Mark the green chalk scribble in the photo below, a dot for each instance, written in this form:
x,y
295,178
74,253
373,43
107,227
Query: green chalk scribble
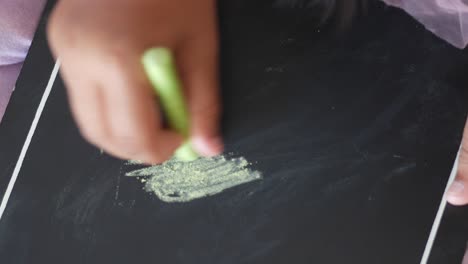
x,y
179,181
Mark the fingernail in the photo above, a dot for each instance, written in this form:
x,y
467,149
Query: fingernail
x,y
456,189
208,146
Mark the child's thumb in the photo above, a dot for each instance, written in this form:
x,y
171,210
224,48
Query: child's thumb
x,y
458,191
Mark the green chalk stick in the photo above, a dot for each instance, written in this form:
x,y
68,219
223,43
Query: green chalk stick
x,y
186,153
160,68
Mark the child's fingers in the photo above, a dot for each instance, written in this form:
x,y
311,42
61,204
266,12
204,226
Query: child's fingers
x,y
198,62
458,191
134,118
123,119
112,100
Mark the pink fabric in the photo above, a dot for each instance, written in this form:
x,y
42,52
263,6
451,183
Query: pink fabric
x,y
8,75
447,19
18,21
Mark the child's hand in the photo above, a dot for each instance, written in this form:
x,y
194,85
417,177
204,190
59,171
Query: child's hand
x,y
458,193
100,43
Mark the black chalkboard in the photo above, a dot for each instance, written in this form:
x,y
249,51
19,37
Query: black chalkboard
x,y
355,134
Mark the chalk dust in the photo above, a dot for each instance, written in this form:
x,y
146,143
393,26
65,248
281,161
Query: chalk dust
x,y
178,181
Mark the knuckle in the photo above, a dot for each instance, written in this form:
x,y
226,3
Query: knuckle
x,y
116,55
119,67
58,22
63,29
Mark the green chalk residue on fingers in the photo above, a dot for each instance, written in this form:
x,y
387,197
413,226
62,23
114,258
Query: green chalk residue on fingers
x,y
160,68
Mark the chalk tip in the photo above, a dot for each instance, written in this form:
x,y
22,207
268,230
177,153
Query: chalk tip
x,y
186,152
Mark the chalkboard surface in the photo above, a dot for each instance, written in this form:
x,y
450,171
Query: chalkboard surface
x,y
355,135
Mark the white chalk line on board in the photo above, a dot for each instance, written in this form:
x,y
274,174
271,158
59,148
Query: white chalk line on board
x,y
35,121
439,215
